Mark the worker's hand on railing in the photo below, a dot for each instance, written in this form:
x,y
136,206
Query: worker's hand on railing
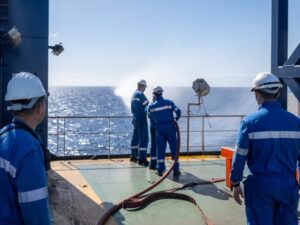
x,y
237,194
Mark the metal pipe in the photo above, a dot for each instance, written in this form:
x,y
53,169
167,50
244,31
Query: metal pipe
x,y
202,136
109,138
57,135
64,133
188,130
188,124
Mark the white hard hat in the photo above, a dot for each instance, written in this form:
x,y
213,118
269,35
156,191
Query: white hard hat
x,y
24,86
266,82
158,89
142,82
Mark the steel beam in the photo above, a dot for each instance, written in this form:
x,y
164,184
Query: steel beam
x,y
279,41
288,72
294,58
294,85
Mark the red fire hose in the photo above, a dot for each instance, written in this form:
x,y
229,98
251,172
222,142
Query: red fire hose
x,y
140,200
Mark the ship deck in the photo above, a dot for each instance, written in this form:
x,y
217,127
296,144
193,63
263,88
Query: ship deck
x,y
81,190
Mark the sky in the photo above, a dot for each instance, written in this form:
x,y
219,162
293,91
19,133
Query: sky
x,y
166,42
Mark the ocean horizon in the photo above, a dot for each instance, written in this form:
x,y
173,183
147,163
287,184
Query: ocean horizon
x,y
104,135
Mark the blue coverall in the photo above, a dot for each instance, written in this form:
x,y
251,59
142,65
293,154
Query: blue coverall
x,y
23,181
269,140
139,142
162,113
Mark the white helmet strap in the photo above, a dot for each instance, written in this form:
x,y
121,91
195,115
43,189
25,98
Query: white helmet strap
x,y
270,90
271,87
19,106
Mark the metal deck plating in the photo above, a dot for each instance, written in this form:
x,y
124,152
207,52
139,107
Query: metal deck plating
x,y
82,190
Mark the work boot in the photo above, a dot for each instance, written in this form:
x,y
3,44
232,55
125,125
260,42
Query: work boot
x,y
152,167
176,173
133,159
144,163
159,173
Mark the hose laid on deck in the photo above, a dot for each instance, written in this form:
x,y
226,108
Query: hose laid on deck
x,y
140,200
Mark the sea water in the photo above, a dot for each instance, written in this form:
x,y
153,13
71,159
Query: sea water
x,y
96,121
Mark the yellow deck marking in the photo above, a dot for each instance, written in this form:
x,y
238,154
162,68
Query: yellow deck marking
x,y
84,199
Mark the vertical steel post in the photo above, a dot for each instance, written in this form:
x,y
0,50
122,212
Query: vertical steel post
x,y
64,136
188,130
279,44
202,136
57,136
109,138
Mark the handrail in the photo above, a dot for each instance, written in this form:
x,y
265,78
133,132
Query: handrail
x,y
126,116
62,132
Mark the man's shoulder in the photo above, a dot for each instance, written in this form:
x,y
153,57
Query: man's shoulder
x,y
137,93
166,101
252,117
18,137
291,116
152,105
6,129
17,144
269,117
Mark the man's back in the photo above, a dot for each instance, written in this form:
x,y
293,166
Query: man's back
x,y
274,140
138,104
162,111
269,141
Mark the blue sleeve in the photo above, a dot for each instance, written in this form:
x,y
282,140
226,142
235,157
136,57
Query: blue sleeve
x,y
176,110
144,100
240,154
32,188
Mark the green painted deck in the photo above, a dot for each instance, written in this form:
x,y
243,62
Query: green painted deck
x,y
115,180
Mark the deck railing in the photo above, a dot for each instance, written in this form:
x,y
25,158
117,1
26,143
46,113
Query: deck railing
x,y
111,135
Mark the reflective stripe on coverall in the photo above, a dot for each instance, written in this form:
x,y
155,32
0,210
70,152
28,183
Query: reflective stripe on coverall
x,y
269,140
140,139
23,189
162,113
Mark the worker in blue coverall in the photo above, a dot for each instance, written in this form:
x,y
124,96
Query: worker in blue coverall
x,y
269,141
153,149
162,112
139,142
23,180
